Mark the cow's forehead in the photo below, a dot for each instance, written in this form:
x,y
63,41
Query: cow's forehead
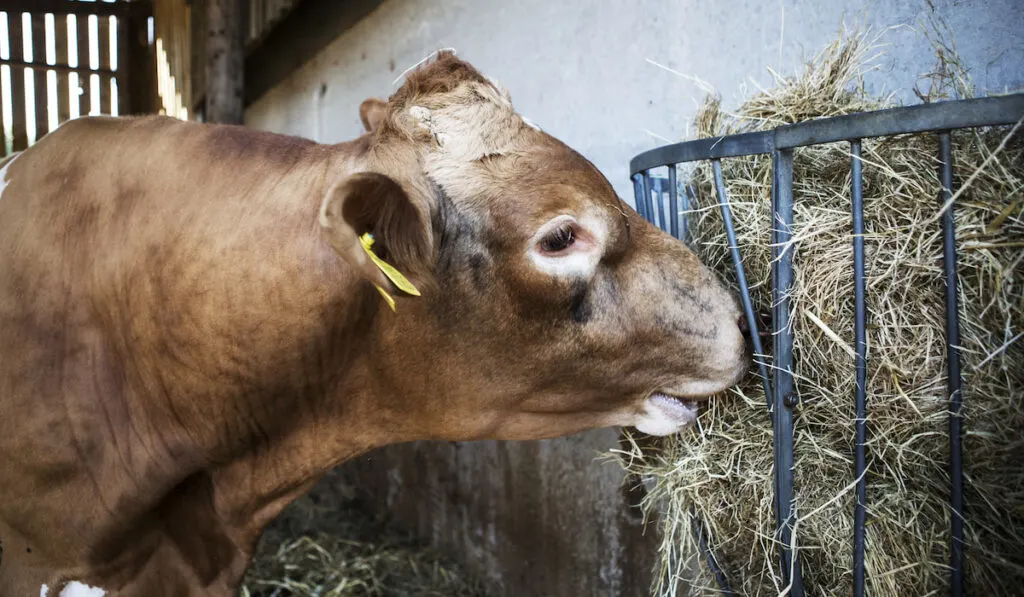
x,y
480,150
467,142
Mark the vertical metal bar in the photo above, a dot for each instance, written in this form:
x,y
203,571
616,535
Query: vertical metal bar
x,y
638,194
784,397
655,192
702,541
648,205
659,192
956,548
689,198
860,322
673,203
741,278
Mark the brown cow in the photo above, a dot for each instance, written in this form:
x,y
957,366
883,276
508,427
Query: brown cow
x,y
190,341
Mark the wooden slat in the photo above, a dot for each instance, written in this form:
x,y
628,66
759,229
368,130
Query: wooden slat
x,y
40,87
3,107
104,43
18,116
83,65
60,30
123,82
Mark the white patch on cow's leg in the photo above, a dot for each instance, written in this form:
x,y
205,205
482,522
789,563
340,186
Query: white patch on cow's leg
x,y
3,179
43,591
77,589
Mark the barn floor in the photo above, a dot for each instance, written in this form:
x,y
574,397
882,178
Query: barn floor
x,y
325,545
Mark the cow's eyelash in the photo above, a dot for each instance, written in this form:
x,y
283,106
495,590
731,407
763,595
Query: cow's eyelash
x,y
559,239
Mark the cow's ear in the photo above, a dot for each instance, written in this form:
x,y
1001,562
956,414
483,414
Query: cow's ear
x,y
372,112
373,203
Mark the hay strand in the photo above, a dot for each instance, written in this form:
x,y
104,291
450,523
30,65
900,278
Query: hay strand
x,y
325,545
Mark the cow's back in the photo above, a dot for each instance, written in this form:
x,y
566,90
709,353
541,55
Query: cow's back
x,y
144,265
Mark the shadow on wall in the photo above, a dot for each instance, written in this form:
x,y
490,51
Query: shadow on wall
x,y
529,518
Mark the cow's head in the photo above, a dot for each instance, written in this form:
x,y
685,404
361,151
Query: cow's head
x,y
548,305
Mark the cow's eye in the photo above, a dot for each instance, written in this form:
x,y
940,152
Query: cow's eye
x,y
559,239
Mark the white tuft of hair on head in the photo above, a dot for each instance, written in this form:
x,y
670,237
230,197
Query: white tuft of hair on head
x,y
417,65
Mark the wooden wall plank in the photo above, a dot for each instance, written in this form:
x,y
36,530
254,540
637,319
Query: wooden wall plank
x,y
104,47
19,117
40,88
60,30
122,74
122,49
84,79
3,111
3,108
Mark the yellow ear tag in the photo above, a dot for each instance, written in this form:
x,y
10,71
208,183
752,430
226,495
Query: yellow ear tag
x,y
393,274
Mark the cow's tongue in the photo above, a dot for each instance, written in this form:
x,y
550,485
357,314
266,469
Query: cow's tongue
x,y
682,412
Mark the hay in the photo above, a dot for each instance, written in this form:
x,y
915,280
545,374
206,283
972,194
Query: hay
x,y
325,545
723,469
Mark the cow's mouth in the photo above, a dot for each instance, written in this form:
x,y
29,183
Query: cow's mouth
x,y
681,410
664,414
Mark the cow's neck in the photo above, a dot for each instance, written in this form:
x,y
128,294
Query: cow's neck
x,y
356,411
330,399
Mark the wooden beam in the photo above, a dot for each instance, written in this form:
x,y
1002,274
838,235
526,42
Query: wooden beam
x,y
117,9
225,59
298,37
137,71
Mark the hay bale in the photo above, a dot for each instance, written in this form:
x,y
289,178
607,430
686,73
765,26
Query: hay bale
x,y
723,470
325,545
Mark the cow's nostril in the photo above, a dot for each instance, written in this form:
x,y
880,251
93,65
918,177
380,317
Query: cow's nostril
x,y
744,326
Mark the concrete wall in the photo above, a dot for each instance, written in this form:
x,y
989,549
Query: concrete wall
x,y
578,68
544,518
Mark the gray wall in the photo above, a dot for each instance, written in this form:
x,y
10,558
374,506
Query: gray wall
x,y
578,67
544,518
